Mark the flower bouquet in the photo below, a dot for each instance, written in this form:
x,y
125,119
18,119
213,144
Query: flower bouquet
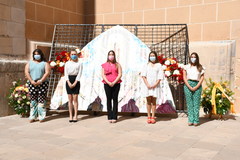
x,y
19,99
217,98
61,58
171,67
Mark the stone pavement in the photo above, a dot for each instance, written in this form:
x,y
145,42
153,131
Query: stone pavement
x,y
93,138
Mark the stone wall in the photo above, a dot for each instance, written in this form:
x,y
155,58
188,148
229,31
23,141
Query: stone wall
x,y
12,48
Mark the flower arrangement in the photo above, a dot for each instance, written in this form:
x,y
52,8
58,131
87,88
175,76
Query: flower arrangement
x,y
19,98
61,58
172,68
223,97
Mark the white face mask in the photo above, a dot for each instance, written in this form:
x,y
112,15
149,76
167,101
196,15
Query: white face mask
x,y
193,60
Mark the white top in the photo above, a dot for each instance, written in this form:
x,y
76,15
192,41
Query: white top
x,y
193,73
152,73
73,69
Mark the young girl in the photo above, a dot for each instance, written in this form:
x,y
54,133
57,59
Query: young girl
x,y
37,72
152,74
111,74
72,73
193,76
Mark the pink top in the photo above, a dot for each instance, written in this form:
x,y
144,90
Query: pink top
x,y
110,71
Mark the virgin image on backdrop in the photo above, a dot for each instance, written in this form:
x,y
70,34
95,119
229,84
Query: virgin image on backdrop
x,y
132,54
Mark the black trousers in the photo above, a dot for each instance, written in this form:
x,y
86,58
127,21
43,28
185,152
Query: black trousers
x,y
112,94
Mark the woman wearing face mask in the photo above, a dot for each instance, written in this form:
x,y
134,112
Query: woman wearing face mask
x,y
37,72
193,76
152,74
111,74
72,73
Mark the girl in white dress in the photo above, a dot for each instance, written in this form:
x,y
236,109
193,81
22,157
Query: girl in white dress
x,y
152,74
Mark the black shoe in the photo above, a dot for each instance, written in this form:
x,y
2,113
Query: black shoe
x,y
74,121
70,121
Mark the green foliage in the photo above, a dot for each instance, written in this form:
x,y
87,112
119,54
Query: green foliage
x,y
18,98
222,103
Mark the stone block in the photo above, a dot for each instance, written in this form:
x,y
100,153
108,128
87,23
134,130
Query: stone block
x,y
5,45
178,15
165,4
19,46
49,32
154,16
18,15
60,17
16,29
44,14
113,18
143,4
18,4
5,12
30,10
35,31
228,11
235,30
98,19
122,6
80,6
70,5
3,28
198,16
195,32
76,18
216,31
133,18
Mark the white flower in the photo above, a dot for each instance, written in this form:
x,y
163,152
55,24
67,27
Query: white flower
x,y
164,67
167,73
14,82
28,103
219,94
61,64
176,72
167,62
18,101
24,97
16,95
180,65
77,50
220,101
53,64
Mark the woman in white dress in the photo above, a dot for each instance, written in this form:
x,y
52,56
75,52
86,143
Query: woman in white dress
x,y
72,73
152,74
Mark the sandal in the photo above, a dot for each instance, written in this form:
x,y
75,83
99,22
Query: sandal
x,y
153,120
149,120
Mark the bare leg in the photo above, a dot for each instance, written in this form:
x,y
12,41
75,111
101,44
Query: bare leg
x,y
70,106
75,101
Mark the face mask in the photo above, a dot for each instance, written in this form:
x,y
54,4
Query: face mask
x,y
152,59
73,57
111,58
193,60
37,56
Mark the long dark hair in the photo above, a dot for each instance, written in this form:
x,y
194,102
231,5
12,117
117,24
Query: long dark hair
x,y
197,63
40,53
155,53
114,60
